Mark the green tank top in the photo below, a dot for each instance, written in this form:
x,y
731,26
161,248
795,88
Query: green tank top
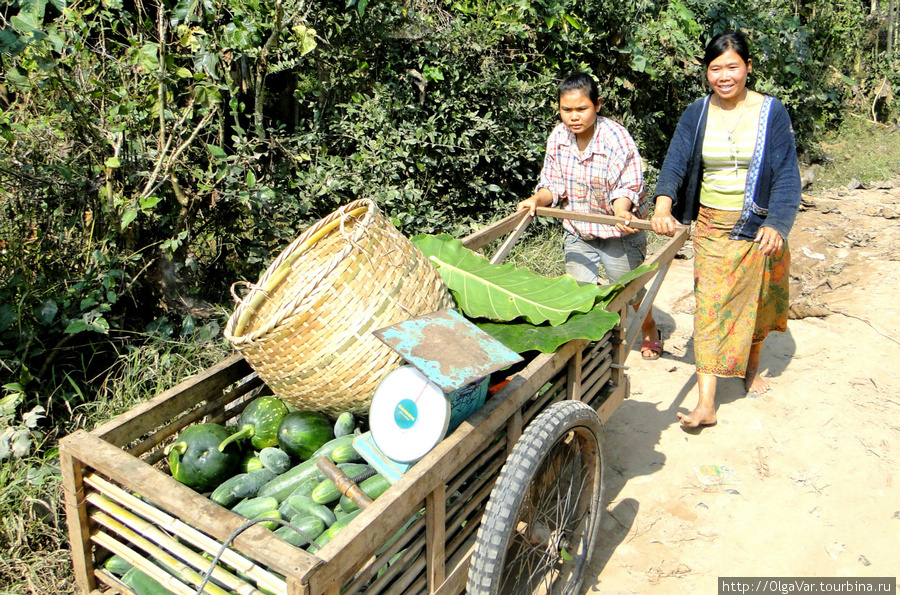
x,y
726,159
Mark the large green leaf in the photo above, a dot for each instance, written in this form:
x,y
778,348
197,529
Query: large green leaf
x,y
606,293
504,292
522,337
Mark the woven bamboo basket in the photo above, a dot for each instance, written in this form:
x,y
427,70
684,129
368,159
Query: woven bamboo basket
x,y
306,326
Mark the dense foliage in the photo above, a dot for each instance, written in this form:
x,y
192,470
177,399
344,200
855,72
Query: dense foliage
x,y
151,154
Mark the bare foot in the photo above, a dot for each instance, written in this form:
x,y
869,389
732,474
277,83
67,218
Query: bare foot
x,y
652,345
755,383
701,416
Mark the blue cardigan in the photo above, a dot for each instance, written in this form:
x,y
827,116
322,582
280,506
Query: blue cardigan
x,y
773,189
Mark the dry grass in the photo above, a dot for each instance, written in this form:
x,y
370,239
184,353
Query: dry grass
x,y
861,150
34,552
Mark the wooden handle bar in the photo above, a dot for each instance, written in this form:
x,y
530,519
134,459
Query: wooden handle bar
x,y
593,218
343,483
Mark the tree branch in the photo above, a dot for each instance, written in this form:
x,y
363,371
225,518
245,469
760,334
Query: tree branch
x,y
262,66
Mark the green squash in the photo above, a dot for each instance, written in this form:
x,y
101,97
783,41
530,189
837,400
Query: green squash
x,y
302,433
196,461
259,422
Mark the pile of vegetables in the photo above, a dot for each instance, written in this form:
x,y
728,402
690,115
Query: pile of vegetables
x,y
266,467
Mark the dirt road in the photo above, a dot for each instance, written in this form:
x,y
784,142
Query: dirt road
x,y
805,483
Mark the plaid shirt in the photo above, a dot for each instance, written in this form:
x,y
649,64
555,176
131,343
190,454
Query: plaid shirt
x,y
608,169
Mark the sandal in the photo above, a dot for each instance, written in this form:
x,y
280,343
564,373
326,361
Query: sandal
x,y
654,347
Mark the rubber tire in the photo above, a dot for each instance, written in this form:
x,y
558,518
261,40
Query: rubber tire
x,y
520,480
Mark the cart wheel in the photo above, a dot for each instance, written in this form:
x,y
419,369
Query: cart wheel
x,y
541,521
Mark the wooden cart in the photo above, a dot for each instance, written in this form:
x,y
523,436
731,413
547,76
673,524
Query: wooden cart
x,y
515,492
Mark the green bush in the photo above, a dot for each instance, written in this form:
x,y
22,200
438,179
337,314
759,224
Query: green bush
x,y
150,161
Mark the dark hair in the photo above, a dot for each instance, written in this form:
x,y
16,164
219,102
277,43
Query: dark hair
x,y
581,81
723,42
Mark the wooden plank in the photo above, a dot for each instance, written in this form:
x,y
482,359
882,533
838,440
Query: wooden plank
x,y
557,213
188,535
161,409
472,515
186,504
214,407
513,430
573,377
411,566
551,395
598,377
600,384
601,357
615,399
296,587
462,534
511,240
77,519
361,538
459,571
619,350
435,526
488,234
413,539
488,458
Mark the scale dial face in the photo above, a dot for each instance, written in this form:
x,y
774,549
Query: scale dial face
x,y
409,415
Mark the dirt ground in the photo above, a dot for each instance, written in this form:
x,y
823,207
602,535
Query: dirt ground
x,y
808,468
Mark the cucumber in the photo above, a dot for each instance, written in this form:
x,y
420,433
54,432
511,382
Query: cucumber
x,y
283,485
275,460
251,482
251,508
269,514
118,565
327,492
373,487
333,530
224,494
310,528
339,450
286,510
305,505
345,453
242,485
344,425
143,584
302,433
306,488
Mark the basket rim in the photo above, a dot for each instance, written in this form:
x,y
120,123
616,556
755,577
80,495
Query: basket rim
x,y
280,267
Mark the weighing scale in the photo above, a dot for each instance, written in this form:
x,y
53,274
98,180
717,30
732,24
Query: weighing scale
x,y
449,363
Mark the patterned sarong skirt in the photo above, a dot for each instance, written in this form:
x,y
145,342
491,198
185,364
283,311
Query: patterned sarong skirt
x,y
741,294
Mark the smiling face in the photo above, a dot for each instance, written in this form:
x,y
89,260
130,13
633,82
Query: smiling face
x,y
578,112
727,75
